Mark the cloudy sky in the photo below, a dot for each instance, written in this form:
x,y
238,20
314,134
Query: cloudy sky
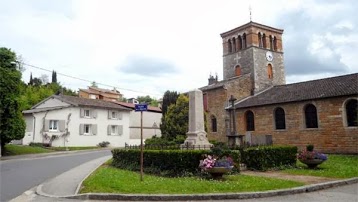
x,y
147,47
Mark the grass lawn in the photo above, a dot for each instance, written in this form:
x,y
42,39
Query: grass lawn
x,y
108,179
337,166
11,149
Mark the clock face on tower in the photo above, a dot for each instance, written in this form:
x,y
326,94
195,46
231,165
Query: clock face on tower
x,y
269,56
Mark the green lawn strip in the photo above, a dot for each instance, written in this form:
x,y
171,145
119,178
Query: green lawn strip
x,y
72,148
11,149
337,166
107,179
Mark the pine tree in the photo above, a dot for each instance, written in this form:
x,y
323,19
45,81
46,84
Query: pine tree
x,y
31,82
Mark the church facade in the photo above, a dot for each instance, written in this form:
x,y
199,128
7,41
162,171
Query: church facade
x,y
254,100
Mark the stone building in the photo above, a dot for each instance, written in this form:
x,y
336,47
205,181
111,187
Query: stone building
x,y
321,112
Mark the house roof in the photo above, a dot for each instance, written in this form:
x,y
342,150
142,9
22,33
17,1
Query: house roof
x,y
104,90
77,101
215,85
316,89
132,106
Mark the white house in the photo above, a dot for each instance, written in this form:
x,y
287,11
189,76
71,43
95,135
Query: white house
x,y
73,121
151,122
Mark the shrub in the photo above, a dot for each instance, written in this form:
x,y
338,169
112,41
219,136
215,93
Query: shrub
x,y
266,157
103,144
309,147
39,144
164,162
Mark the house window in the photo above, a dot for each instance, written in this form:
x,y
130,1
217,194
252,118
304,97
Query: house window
x,y
233,45
280,122
240,43
113,130
230,48
213,124
92,96
114,115
311,116
351,112
264,41
250,121
87,129
260,40
87,113
53,126
244,45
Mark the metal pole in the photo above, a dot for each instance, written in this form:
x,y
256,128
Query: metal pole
x,y
141,146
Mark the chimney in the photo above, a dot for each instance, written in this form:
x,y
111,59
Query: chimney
x,y
212,80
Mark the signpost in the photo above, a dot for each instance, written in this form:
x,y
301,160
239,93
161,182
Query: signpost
x,y
140,108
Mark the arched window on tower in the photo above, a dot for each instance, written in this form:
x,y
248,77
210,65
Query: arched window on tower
x,y
229,46
234,44
260,39
237,70
271,42
244,45
269,71
280,122
351,112
240,43
311,116
214,127
250,120
264,41
274,43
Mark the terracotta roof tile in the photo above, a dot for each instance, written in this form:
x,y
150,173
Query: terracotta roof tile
x,y
309,90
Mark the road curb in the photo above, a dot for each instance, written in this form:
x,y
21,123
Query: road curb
x,y
219,196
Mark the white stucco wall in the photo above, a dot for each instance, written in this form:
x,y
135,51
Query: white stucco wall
x,y
75,139
52,102
149,118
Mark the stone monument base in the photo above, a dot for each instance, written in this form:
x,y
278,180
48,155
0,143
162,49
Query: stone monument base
x,y
197,141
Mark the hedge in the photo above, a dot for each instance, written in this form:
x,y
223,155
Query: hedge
x,y
266,157
164,162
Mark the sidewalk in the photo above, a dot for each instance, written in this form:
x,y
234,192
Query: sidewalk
x,y
40,155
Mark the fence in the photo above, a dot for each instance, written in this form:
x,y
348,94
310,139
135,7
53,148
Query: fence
x,y
169,147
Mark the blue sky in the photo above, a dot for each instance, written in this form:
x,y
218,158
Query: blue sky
x,y
154,46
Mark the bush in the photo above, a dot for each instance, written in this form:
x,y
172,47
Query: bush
x,y
164,162
310,147
266,157
39,144
103,144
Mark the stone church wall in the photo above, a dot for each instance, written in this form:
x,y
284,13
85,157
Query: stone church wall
x,y
331,136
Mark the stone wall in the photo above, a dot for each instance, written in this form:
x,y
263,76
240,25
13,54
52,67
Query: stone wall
x,y
331,136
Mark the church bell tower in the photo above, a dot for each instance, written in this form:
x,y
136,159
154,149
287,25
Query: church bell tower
x,y
254,49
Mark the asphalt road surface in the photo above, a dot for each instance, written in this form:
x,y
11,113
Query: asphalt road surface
x,y
20,175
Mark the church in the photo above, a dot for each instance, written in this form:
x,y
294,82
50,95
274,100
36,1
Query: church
x,y
253,101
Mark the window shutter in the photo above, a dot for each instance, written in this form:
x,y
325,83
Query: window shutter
x,y
109,114
62,125
81,129
47,123
120,129
109,130
119,115
94,129
81,113
94,113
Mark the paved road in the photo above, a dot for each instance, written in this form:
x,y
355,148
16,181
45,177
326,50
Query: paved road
x,y
20,175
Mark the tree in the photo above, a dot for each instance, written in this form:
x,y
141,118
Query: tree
x,y
31,82
147,99
12,125
170,97
44,78
54,77
94,84
175,121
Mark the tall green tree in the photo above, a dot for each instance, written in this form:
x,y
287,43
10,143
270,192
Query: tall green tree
x,y
170,97
12,124
31,82
54,77
175,121
147,99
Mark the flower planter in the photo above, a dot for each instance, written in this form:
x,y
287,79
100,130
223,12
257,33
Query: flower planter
x,y
218,172
312,163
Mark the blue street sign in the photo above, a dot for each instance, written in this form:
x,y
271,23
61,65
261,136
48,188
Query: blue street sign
x,y
141,107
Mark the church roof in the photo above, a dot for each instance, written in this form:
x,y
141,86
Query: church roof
x,y
310,90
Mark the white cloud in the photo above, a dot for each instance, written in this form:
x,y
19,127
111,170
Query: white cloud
x,y
91,39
